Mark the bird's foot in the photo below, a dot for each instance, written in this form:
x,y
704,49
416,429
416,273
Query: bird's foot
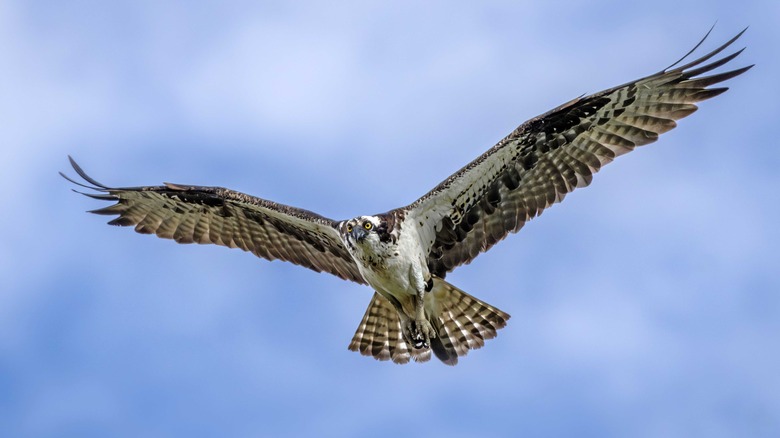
x,y
419,333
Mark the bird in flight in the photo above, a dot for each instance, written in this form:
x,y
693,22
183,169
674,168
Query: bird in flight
x,y
405,254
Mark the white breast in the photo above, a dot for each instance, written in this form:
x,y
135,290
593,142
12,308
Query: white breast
x,y
396,269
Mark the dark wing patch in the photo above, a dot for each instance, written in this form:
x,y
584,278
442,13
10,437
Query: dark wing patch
x,y
551,155
192,214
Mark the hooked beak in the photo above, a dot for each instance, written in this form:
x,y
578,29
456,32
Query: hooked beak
x,y
358,233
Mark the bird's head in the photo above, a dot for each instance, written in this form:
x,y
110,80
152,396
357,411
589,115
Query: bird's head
x,y
365,229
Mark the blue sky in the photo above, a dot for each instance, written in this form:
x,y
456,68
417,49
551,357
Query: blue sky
x,y
645,305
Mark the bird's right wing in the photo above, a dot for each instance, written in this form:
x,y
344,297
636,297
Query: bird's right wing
x,y
192,214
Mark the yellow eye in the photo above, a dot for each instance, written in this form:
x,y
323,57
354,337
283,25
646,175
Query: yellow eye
x,y
368,225
349,228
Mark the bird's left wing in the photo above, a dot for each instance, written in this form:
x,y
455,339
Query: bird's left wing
x,y
192,214
551,155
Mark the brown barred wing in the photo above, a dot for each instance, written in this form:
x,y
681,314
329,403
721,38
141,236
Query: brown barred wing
x,y
193,214
551,155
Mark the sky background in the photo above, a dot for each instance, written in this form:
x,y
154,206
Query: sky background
x,y
646,305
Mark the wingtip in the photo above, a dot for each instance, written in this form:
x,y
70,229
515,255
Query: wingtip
x,y
706,56
78,183
95,184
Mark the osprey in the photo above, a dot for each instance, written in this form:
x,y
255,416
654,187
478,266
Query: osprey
x,y
405,254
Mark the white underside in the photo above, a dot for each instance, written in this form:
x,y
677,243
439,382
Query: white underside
x,y
395,270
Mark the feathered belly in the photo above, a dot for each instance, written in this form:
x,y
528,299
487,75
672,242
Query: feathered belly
x,y
394,281
394,270
390,278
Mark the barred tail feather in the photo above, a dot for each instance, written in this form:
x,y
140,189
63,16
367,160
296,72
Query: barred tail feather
x,y
379,335
461,321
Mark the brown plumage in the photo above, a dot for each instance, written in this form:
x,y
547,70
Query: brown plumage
x,y
549,156
193,214
414,247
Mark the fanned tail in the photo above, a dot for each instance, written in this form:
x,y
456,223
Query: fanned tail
x,y
379,335
462,323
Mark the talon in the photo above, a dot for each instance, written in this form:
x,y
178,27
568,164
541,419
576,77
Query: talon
x,y
409,333
418,333
420,339
423,332
425,329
